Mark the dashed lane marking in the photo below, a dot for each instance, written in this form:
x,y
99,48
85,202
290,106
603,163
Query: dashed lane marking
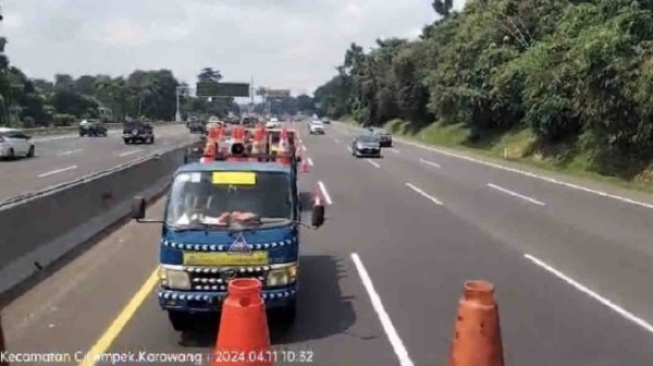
x,y
418,190
325,193
515,194
53,172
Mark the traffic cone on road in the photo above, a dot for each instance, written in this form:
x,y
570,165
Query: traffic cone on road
x,y
243,337
477,337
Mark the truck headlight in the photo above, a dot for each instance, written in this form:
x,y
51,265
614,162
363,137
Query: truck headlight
x,y
282,276
174,279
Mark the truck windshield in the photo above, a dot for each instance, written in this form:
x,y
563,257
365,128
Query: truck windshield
x,y
229,200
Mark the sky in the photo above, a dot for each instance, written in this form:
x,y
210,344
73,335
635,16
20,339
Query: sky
x,y
282,44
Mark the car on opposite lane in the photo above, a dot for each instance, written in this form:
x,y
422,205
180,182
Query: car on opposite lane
x,y
134,132
366,145
385,138
92,128
15,143
316,128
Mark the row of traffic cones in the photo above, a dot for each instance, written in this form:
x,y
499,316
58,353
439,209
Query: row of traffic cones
x,y
244,329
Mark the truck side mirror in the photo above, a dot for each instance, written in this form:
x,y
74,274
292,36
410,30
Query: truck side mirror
x,y
138,208
317,218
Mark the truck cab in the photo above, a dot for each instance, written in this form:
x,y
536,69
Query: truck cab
x,y
225,220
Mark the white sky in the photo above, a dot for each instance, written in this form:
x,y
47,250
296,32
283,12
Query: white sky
x,y
285,44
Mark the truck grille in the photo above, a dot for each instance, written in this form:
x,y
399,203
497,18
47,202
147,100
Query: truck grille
x,y
212,279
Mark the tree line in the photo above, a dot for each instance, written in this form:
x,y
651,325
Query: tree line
x,y
574,72
143,94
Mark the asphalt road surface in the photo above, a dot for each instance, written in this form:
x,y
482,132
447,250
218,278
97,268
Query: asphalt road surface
x,y
381,279
63,158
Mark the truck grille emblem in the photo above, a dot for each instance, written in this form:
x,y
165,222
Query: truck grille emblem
x,y
239,246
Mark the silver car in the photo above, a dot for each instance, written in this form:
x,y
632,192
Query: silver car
x,y
366,145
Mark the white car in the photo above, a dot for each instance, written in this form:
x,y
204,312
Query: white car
x,y
272,124
14,143
316,128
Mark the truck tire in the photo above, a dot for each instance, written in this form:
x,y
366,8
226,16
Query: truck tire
x,y
288,315
180,321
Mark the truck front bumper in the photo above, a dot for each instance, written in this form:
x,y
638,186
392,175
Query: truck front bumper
x,y
211,302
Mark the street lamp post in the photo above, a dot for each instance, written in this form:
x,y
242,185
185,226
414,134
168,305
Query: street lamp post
x,y
179,91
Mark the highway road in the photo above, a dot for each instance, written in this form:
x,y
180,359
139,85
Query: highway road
x,y
381,279
62,158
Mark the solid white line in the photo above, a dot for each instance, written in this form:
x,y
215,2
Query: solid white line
x,y
386,322
374,163
515,194
436,165
618,309
304,148
130,152
325,193
52,172
310,161
71,152
532,175
414,188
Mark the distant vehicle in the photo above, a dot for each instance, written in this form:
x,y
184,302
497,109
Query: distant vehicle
x,y
197,127
135,132
15,143
273,123
316,128
326,120
92,128
366,145
385,137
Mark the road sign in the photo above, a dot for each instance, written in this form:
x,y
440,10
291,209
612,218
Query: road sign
x,y
213,89
273,93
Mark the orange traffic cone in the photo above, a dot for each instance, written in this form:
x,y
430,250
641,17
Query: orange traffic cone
x,y
477,338
243,337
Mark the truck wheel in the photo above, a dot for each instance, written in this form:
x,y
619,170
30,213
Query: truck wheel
x,y
180,321
288,315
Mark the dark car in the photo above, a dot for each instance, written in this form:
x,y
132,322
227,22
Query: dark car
x,y
92,128
385,137
197,127
366,145
136,132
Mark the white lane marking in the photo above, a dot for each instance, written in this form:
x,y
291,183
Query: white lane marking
x,y
374,163
337,141
52,172
532,175
386,322
349,148
127,153
325,193
433,199
70,152
304,148
310,161
395,151
618,309
436,165
515,194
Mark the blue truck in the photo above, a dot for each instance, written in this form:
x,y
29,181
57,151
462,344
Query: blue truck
x,y
225,220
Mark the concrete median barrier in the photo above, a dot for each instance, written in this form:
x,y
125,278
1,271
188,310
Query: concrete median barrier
x,y
39,228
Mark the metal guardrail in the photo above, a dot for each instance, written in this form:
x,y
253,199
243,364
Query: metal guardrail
x,y
75,128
